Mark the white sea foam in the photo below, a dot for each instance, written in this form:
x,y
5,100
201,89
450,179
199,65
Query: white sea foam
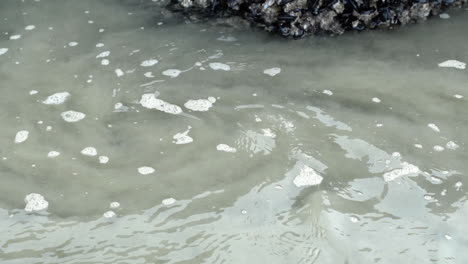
x,y
21,136
433,127
35,202
226,148
3,51
103,54
200,105
145,170
182,138
56,98
171,73
72,116
307,177
272,71
151,102
405,170
168,201
103,159
89,151
53,154
217,66
453,64
149,63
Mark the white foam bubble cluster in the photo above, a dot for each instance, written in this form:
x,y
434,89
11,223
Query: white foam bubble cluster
x,y
15,37
438,148
103,159
105,62
327,92
150,101
35,202
433,127
444,16
21,136
114,205
73,44
453,64
172,73
103,54
307,177
119,72
30,27
109,214
89,151
149,63
405,170
53,154
217,66
452,145
145,170
72,116
182,138
376,100
272,72
168,201
200,105
56,98
3,51
226,148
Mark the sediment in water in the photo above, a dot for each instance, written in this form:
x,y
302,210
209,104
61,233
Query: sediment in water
x,y
297,18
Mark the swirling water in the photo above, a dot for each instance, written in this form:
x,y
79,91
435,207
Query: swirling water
x,y
156,140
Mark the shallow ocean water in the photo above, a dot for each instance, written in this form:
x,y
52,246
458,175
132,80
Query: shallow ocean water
x,y
156,140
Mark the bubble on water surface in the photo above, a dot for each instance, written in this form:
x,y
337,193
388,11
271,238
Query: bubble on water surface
x,y
433,127
226,148
3,51
200,105
56,98
217,66
151,102
35,202
149,63
272,72
33,92
15,37
145,170
30,27
72,116
458,96
114,205
53,154
105,62
419,146
168,201
72,44
99,45
307,177
21,136
376,100
406,169
453,64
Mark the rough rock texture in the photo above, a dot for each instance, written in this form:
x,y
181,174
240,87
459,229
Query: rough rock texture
x,y
296,18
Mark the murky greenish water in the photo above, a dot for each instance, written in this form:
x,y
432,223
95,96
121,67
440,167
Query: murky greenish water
x,y
347,149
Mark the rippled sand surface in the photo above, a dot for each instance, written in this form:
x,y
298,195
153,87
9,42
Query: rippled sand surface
x,y
131,136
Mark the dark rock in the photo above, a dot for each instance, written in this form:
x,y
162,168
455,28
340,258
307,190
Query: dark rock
x,y
298,18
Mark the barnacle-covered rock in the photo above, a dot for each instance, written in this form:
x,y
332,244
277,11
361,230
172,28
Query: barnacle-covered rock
x,y
298,18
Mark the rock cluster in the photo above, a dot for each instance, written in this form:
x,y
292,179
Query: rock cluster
x,y
296,18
